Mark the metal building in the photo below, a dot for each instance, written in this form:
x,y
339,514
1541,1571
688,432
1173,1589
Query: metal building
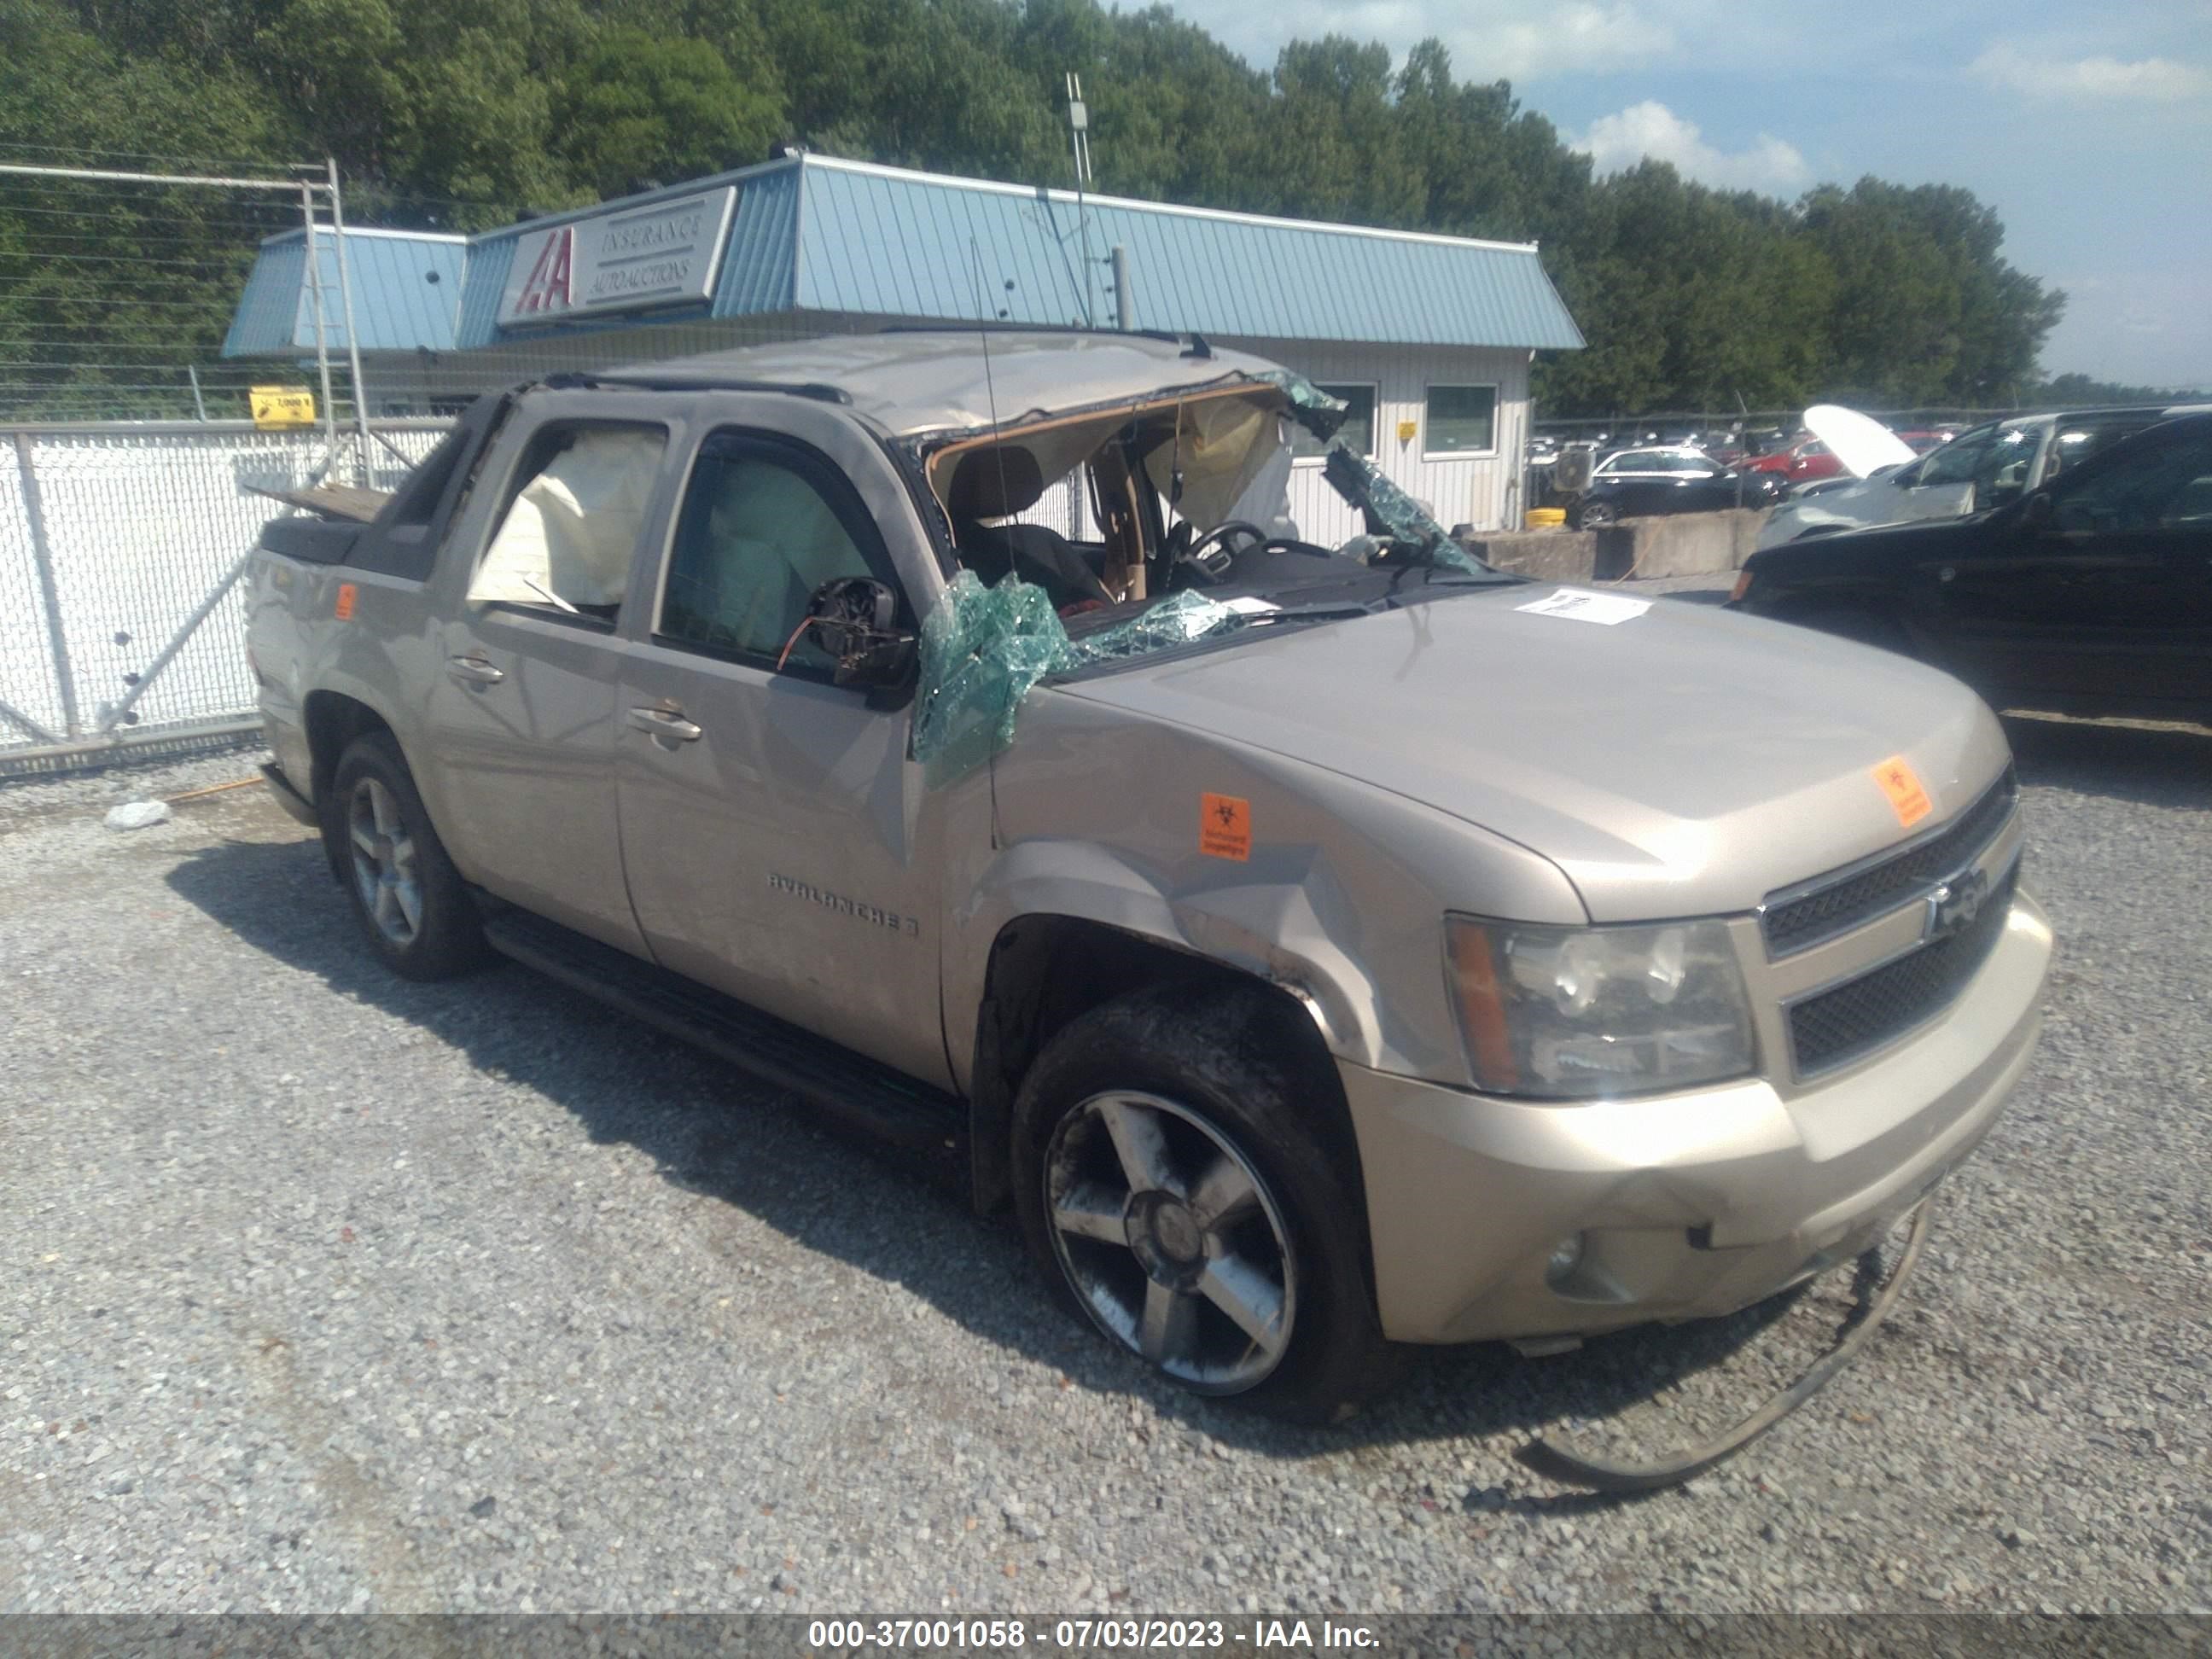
x,y
1428,338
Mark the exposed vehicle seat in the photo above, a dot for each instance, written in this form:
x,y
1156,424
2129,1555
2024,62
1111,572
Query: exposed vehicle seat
x,y
995,485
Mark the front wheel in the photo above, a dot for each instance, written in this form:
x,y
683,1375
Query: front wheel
x,y
1183,1179
1595,515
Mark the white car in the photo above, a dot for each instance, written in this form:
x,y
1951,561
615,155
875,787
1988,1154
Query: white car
x,y
1983,467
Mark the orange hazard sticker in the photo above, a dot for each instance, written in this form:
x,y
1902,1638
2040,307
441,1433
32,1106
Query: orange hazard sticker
x,y
1225,827
1899,782
347,594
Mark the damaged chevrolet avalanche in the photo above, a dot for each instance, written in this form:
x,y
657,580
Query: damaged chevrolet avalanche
x,y
1320,949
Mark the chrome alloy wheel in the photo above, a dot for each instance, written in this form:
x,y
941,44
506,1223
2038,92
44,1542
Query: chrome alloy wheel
x,y
383,862
1171,1240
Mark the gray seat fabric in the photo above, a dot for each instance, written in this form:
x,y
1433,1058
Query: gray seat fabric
x,y
997,483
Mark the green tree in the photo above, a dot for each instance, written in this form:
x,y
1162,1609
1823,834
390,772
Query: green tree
x,y
642,108
464,112
107,292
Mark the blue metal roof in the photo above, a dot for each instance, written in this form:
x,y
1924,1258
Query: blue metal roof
x,y
813,234
406,287
878,241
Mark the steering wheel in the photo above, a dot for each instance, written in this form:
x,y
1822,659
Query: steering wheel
x,y
1213,566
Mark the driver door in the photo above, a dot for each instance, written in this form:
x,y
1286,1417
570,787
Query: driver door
x,y
773,828
2110,598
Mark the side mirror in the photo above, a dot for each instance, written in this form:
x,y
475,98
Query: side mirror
x,y
855,620
2040,513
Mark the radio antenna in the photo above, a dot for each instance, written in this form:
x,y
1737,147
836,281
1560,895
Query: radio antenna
x,y
990,387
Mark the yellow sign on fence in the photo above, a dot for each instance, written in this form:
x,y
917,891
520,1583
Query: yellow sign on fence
x,y
278,406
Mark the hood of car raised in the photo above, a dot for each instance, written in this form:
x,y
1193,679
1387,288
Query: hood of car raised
x,y
1859,441
1680,761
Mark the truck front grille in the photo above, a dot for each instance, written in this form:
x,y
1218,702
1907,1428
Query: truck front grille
x,y
1804,917
1837,1026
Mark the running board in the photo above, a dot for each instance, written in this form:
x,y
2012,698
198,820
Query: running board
x,y
852,1093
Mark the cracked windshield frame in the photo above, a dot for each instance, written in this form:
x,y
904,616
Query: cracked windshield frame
x,y
1188,502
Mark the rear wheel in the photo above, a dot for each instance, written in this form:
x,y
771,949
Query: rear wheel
x,y
411,902
1592,514
1179,1179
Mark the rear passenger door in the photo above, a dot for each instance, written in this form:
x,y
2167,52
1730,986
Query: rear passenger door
x,y
521,670
775,838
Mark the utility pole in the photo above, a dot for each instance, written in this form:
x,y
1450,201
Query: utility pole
x,y
1079,136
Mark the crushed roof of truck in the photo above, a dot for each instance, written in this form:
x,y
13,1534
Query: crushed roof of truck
x,y
964,379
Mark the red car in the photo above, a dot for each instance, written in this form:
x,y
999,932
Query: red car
x,y
1805,459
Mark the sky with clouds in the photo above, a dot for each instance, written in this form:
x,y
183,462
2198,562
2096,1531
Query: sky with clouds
x,y
2089,127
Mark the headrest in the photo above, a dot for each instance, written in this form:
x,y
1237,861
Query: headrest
x,y
995,484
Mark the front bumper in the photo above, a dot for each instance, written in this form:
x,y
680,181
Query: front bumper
x,y
1688,1206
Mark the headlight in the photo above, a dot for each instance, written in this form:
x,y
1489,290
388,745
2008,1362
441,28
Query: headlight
x,y
1594,1013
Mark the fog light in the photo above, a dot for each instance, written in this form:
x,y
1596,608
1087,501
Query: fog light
x,y
1566,1256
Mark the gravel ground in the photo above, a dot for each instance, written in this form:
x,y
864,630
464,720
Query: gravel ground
x,y
319,1291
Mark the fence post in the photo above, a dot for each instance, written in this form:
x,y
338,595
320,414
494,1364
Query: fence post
x,y
42,554
353,334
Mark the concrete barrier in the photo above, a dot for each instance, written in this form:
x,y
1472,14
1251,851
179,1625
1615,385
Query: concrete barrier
x,y
1680,544
1558,555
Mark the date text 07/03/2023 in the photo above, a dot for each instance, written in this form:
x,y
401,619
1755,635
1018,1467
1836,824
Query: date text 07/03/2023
x,y
1088,1633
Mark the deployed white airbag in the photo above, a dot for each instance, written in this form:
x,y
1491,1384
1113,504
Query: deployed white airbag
x,y
572,530
1221,446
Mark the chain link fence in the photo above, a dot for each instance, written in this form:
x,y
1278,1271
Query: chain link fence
x,y
122,619
1630,428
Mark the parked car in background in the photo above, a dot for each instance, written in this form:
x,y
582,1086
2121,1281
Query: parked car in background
x,y
1798,462
1633,483
1985,467
1921,442
2092,594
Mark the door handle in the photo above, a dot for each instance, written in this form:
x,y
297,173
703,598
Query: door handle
x,y
668,724
473,671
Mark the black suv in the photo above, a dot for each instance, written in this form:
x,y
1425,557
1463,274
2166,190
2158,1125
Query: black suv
x,y
2092,595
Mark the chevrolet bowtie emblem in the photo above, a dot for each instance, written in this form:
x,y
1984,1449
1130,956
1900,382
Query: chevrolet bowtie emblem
x,y
1952,907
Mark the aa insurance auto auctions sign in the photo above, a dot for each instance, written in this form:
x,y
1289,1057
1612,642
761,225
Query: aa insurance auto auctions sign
x,y
664,254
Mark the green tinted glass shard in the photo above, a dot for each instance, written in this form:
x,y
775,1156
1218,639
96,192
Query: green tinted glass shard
x,y
982,648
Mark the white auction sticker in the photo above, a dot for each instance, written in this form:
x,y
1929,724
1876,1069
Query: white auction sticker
x,y
1605,609
1250,607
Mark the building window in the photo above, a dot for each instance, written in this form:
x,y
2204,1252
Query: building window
x,y
1463,420
1357,430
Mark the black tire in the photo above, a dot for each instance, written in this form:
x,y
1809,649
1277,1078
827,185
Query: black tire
x,y
1595,516
443,935
1235,1067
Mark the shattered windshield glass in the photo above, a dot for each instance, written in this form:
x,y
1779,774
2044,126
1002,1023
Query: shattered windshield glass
x,y
982,648
1193,544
